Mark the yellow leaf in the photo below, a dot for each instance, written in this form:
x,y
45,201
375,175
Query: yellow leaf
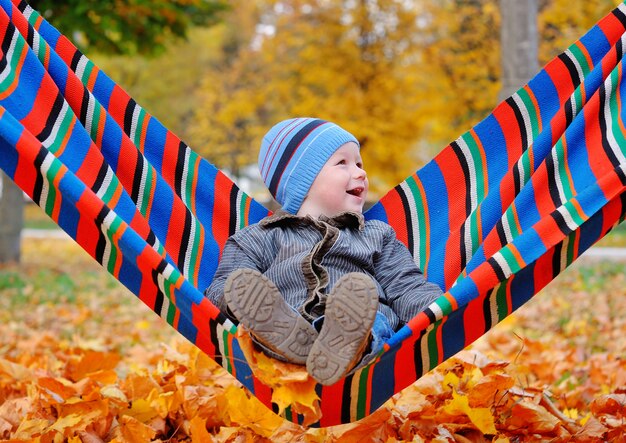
x,y
134,431
247,412
480,417
197,429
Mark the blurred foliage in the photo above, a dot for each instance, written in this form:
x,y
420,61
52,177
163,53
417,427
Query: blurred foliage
x,y
405,76
127,27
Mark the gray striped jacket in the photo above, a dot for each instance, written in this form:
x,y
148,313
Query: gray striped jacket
x,y
305,257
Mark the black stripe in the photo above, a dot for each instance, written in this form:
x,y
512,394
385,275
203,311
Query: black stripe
x,y
52,118
151,239
520,122
30,36
556,259
232,216
496,268
128,116
603,129
102,173
569,114
517,181
159,296
137,177
620,16
180,168
501,233
213,337
619,49
552,185
289,150
346,399
431,315
6,44
184,244
22,5
38,188
407,218
571,67
560,221
75,59
420,368
466,172
101,245
489,320
84,107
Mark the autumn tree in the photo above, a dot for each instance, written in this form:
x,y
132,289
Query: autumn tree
x,y
109,26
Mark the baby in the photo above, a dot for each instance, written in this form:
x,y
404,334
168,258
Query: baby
x,y
315,283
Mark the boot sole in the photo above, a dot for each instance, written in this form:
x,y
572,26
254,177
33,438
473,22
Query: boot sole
x,y
258,305
350,313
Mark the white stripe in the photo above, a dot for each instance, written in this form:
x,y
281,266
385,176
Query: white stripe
x,y
106,226
416,226
237,210
49,141
28,11
133,126
610,135
183,184
472,171
190,243
45,167
104,187
80,67
436,310
91,102
499,258
557,172
9,55
525,117
569,221
579,69
424,347
142,184
36,42
507,228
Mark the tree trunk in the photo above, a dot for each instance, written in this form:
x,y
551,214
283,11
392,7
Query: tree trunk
x,y
518,44
11,220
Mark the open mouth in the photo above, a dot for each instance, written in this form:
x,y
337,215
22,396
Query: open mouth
x,y
356,191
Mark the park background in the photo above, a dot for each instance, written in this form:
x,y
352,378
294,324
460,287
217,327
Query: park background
x,y
82,360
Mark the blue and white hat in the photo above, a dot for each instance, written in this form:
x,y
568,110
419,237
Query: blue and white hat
x,y
293,152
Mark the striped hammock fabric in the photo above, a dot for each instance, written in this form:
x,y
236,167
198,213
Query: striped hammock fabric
x,y
492,219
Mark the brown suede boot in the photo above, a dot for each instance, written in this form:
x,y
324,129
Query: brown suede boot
x,y
348,319
258,305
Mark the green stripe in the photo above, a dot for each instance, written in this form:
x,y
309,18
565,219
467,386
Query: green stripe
x,y
14,61
510,259
95,120
563,174
580,57
530,110
87,71
226,359
33,17
362,394
64,128
115,225
52,191
421,219
189,182
501,301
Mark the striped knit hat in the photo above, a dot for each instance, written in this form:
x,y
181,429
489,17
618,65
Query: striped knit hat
x,y
293,152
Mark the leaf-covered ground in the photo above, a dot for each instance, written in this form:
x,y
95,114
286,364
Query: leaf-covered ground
x,y
82,360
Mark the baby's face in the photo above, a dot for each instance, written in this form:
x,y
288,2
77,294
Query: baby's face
x,y
340,186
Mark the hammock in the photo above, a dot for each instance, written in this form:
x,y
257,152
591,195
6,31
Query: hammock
x,y
492,219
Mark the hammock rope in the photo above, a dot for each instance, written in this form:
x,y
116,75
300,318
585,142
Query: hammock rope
x,y
492,219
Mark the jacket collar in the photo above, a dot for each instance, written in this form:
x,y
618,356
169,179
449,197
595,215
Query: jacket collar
x,y
347,219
